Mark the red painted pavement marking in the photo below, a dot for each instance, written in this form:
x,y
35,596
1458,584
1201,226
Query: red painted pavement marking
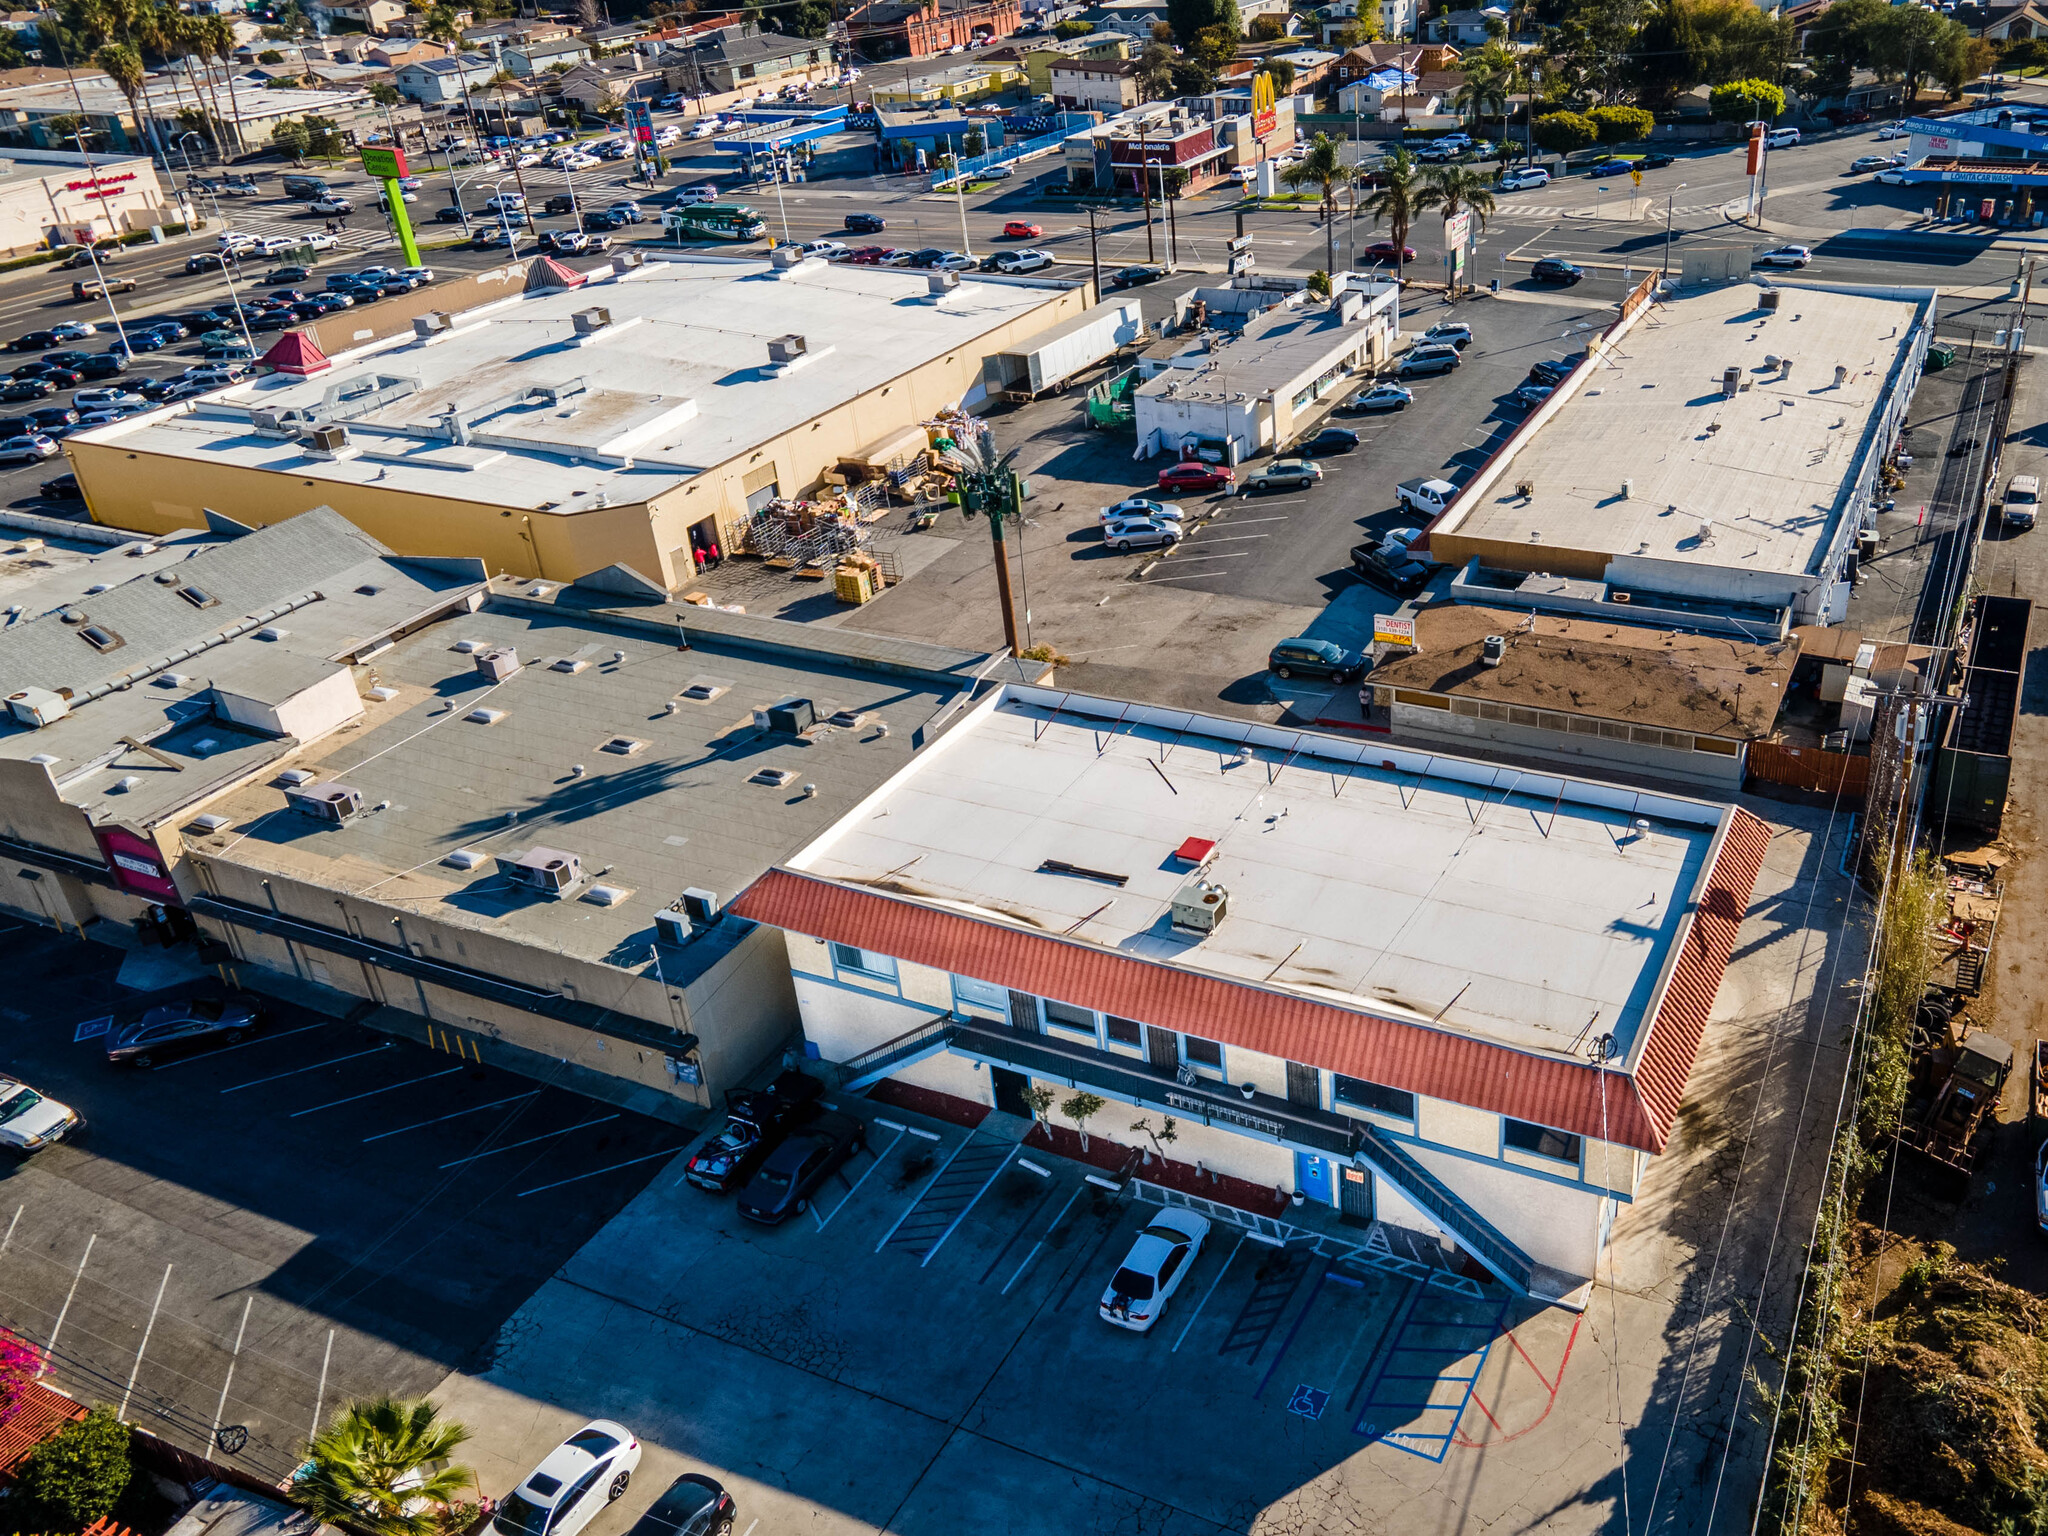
x,y
1459,1437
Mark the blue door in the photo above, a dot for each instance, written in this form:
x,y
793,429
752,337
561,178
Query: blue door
x,y
1312,1177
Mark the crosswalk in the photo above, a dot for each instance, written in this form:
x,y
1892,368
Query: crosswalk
x,y
1616,210
368,232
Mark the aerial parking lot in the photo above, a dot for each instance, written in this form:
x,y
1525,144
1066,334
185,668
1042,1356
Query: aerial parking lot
x,y
250,1232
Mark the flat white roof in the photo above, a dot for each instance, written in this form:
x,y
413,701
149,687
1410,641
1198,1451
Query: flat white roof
x,y
679,381
1770,468
1419,887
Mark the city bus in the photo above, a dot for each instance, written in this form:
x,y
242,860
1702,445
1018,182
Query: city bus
x,y
714,221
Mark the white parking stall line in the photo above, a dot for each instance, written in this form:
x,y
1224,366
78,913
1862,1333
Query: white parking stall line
x,y
277,1077
220,1409
1229,538
961,1215
1043,1237
260,1039
148,1329
320,1397
50,1349
854,1188
966,1142
1238,521
420,1125
387,1088
513,1146
1205,1297
577,1178
1190,576
4,1241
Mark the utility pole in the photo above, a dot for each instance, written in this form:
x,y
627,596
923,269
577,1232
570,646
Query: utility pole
x,y
1670,204
2016,337
1172,225
1095,251
1145,191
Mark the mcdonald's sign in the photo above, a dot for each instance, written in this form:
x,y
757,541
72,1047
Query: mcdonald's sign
x,y
1264,118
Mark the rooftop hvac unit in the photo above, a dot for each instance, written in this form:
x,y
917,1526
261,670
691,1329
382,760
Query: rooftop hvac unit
x,y
589,322
785,256
549,871
1770,298
1199,906
791,715
38,707
702,906
939,284
331,802
1731,381
428,326
672,925
1492,649
497,663
327,439
787,349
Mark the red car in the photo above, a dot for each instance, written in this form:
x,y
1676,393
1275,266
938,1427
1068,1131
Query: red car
x,y
867,255
1194,475
1020,229
1383,250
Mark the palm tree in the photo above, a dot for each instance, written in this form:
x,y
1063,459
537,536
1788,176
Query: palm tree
x,y
1456,189
1398,199
1323,168
123,65
217,37
382,1467
1485,91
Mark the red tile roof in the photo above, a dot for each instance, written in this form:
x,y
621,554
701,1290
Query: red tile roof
x,y
296,352
1632,1111
40,1415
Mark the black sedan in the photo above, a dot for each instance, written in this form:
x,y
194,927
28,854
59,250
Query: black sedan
x,y
35,341
1554,370
1654,162
274,320
1390,567
53,421
102,367
1329,440
783,1185
175,1028
755,1125
1136,277
63,488
865,224
448,215
27,389
598,221
70,357
694,1505
1555,269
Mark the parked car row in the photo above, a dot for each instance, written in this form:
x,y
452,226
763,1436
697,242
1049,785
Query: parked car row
x,y
776,1147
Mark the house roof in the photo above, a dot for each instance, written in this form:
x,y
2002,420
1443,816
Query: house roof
x,y
733,46
1393,921
41,1414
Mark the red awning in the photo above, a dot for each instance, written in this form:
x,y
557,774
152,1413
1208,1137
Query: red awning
x,y
546,272
1630,1110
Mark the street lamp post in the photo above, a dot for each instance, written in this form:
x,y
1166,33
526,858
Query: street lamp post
x,y
504,222
1670,203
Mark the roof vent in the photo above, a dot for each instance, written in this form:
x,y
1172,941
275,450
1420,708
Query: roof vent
x,y
606,895
786,349
623,746
483,716
271,632
497,662
569,664
463,858
1199,906
332,802
171,680
549,871
470,647
703,690
291,778
589,322
774,778
211,822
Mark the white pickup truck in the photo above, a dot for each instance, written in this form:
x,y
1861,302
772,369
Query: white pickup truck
x,y
1427,496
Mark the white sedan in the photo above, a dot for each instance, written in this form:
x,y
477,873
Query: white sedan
x,y
112,399
1784,256
1895,177
1153,1270
574,1481
1894,131
30,1121
71,330
1141,533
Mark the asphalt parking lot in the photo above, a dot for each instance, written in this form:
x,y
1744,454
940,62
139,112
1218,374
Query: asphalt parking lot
x,y
921,1352
254,1235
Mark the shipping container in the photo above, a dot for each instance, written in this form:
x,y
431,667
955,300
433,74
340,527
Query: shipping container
x,y
1053,357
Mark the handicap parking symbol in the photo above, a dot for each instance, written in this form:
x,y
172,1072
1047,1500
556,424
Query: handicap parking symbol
x,y
1308,1401
91,1029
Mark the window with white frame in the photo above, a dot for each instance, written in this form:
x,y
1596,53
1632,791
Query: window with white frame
x,y
1065,1019
981,999
847,960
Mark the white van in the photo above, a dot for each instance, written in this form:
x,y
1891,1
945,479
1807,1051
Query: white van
x,y
1778,138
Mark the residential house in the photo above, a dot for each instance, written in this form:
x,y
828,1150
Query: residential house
x,y
1466,29
744,58
1081,85
1397,20
2010,23
395,55
414,24
1368,60
529,59
610,39
508,33
438,81
920,28
1039,56
600,84
373,16
1312,67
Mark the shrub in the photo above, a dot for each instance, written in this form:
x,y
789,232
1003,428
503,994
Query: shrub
x,y
1563,132
1621,125
1072,28
78,1475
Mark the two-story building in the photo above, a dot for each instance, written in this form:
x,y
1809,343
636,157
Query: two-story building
x,y
527,60
1328,966
439,81
917,29
1083,85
